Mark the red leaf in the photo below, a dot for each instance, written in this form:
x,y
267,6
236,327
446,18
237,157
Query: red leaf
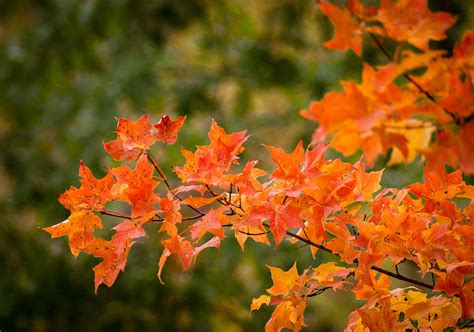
x,y
167,129
286,216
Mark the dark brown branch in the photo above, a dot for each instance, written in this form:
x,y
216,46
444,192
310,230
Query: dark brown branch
x,y
230,194
160,172
375,268
469,323
253,234
318,291
117,214
401,277
191,218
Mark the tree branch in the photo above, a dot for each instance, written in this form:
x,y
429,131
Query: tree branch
x,y
318,291
412,80
375,268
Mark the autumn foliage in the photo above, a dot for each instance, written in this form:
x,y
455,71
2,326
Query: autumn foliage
x,y
329,205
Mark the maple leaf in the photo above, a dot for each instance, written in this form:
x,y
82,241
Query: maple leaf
x,y
466,148
342,243
285,216
464,53
210,162
78,227
460,99
337,108
198,202
257,302
170,208
209,223
114,254
288,164
378,319
176,245
313,225
287,315
441,185
366,13
283,281
416,137
313,160
247,180
412,21
445,151
92,195
136,186
467,299
133,138
167,129
347,32
133,227
226,146
367,183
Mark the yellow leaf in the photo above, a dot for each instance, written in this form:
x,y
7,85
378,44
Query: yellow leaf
x,y
283,282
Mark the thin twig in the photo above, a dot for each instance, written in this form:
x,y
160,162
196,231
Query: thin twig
x,y
421,126
253,234
163,177
160,172
318,291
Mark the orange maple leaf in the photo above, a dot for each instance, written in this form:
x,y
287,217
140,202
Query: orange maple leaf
x,y
209,223
136,186
412,21
133,138
347,32
441,185
288,164
170,208
114,254
210,162
92,195
466,150
460,99
467,300
180,246
78,227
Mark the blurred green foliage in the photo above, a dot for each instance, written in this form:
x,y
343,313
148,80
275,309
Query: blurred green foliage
x,y
67,68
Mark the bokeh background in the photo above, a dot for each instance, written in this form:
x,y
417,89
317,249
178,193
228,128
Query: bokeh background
x,y
68,68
